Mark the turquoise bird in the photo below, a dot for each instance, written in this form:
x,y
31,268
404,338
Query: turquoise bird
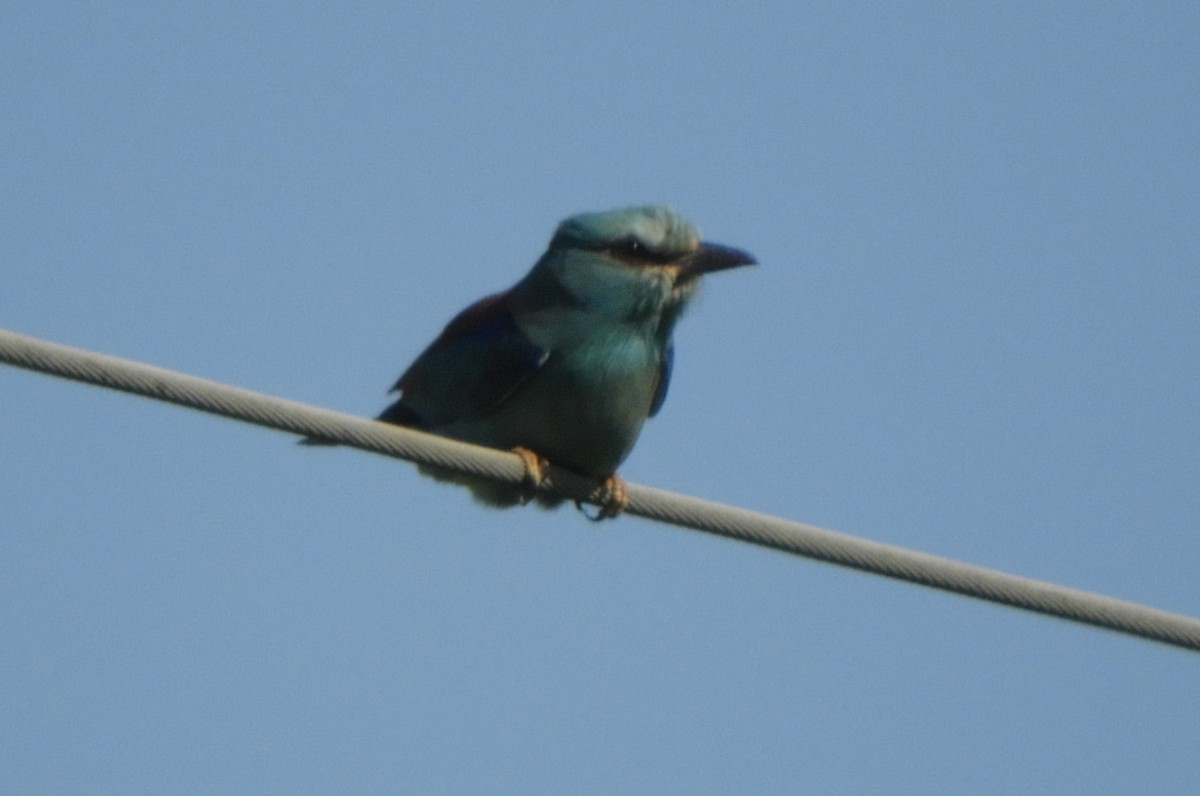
x,y
567,364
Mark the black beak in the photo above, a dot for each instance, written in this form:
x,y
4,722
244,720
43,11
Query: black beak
x,y
713,257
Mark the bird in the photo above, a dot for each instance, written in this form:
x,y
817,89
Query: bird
x,y
565,366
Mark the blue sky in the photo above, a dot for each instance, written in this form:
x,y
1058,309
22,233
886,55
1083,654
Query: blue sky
x,y
974,332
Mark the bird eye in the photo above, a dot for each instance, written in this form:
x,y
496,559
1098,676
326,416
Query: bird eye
x,y
636,252
631,248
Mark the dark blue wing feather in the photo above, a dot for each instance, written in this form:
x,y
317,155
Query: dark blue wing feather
x,y
477,361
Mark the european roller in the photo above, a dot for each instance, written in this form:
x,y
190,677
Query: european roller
x,y
566,365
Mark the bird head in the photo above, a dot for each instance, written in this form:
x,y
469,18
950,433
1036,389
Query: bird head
x,y
634,261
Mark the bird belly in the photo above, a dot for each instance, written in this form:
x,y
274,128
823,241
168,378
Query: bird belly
x,y
582,412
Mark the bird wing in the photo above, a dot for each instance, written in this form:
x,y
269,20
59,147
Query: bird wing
x,y
664,378
478,360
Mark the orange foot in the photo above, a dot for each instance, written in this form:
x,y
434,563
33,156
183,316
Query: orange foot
x,y
614,498
535,467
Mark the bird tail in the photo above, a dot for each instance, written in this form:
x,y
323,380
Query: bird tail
x,y
317,442
398,414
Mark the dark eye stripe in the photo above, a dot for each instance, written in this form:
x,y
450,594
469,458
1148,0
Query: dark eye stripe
x,y
633,250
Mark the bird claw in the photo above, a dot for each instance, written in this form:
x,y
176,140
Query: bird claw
x,y
535,467
613,499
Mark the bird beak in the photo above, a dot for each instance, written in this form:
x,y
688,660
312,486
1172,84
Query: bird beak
x,y
712,257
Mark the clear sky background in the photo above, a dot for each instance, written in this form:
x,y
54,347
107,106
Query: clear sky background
x,y
975,331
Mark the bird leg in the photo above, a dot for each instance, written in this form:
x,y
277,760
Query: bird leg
x,y
613,498
613,495
535,468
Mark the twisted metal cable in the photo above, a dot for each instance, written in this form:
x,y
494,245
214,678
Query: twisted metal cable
x,y
702,515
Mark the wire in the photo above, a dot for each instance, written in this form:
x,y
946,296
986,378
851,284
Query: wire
x,y
702,515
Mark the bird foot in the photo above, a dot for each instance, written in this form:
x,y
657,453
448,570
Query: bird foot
x,y
535,467
613,499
